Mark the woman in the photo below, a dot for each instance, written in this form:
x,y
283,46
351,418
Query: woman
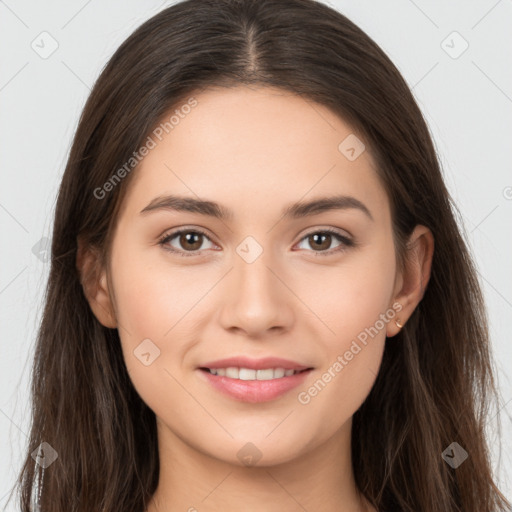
x,y
259,297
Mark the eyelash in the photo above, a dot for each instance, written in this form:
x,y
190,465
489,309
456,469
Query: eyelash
x,y
346,242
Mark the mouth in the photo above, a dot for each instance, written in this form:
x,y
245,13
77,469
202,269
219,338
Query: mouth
x,y
253,381
249,374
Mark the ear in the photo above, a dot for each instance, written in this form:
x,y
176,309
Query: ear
x,y
93,278
410,285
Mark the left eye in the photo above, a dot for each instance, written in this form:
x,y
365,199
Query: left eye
x,y
322,240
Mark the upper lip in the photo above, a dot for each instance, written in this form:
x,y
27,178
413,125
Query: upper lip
x,y
255,364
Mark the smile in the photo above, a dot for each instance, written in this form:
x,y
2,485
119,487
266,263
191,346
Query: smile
x,y
251,374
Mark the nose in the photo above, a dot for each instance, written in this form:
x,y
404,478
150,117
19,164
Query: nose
x,y
256,299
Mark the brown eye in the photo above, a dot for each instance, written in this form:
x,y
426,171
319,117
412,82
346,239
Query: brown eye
x,y
191,240
320,241
185,241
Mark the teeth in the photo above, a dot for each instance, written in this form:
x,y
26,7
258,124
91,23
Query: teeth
x,y
249,374
232,373
246,374
266,374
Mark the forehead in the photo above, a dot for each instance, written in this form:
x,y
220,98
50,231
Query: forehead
x,y
251,148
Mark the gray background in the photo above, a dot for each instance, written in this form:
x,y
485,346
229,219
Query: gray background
x,y
466,97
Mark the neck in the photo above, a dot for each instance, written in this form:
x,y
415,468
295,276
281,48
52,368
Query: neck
x,y
192,481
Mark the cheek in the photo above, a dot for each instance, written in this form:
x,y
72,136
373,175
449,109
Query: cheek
x,y
154,307
152,297
151,309
354,306
350,298
338,391
159,308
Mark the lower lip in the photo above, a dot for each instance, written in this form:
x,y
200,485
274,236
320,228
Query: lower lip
x,y
255,391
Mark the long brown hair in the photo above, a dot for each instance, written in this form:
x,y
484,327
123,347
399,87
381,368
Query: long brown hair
x,y
435,384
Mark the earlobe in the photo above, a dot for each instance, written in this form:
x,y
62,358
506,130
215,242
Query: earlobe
x,y
93,278
415,278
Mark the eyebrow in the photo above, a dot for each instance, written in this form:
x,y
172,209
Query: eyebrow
x,y
294,211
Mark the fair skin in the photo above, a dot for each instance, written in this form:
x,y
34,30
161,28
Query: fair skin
x,y
255,151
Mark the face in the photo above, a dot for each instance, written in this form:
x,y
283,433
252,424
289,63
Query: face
x,y
262,291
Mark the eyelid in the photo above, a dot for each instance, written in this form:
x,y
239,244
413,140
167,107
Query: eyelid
x,y
328,229
171,232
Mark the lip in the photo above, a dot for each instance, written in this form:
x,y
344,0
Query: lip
x,y
254,391
255,364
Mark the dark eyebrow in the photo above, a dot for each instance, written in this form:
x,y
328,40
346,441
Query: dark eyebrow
x,y
324,204
294,211
188,204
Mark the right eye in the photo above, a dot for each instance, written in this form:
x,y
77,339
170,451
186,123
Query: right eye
x,y
190,240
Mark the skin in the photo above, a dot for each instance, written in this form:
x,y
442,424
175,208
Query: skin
x,y
255,151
